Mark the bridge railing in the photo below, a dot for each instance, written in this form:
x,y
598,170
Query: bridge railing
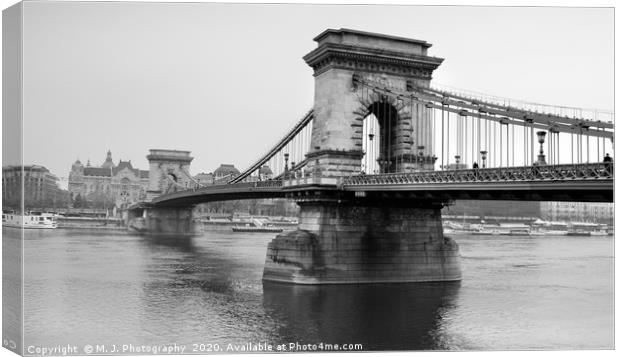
x,y
227,187
593,171
258,184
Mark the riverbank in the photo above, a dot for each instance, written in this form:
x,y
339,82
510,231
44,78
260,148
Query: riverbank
x,y
216,226
117,224
112,224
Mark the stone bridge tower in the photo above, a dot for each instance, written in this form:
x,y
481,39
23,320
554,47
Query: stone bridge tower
x,y
368,238
340,106
168,171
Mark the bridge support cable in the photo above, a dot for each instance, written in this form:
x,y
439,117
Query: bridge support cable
x,y
513,145
480,134
525,109
388,119
550,148
507,150
558,161
487,143
598,146
496,142
465,136
442,137
478,140
516,116
578,149
554,152
558,153
532,142
577,158
448,144
459,139
471,153
277,150
588,148
413,134
561,111
572,152
196,183
501,135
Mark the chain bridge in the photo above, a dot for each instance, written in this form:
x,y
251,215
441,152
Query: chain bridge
x,y
379,155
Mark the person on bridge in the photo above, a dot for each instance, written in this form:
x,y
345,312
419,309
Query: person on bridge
x,y
536,169
475,167
607,160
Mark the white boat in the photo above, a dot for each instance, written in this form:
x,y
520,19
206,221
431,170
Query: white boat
x,y
598,233
519,232
30,220
257,226
490,232
545,232
549,228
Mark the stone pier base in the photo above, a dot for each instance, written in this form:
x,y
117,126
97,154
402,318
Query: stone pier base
x,y
168,221
355,242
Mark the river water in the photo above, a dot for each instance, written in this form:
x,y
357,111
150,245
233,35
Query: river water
x,y
114,289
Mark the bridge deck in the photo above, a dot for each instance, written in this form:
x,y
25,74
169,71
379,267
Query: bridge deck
x,y
224,192
580,182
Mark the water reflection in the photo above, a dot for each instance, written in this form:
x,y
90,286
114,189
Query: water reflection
x,y
180,243
82,287
382,316
11,288
205,281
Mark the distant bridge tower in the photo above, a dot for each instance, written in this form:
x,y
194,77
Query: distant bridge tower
x,y
341,106
168,171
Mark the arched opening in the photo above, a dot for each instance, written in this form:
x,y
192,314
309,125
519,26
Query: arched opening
x,y
172,176
379,138
125,182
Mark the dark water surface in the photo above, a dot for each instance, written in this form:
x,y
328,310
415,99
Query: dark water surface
x,y
84,287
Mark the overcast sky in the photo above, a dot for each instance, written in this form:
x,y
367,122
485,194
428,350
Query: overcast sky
x,y
225,81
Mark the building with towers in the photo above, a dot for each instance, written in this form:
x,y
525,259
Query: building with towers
x,y
107,185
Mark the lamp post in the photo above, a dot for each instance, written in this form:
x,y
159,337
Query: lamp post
x,y
370,151
285,164
483,154
421,156
457,158
384,163
541,154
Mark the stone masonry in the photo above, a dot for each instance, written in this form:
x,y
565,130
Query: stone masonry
x,y
357,242
340,106
348,239
168,169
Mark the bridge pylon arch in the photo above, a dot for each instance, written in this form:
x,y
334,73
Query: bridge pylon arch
x,y
341,61
168,169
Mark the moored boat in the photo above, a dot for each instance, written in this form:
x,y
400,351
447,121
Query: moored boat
x,y
257,225
578,233
519,232
253,229
29,220
598,233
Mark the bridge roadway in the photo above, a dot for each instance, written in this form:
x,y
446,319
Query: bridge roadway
x,y
578,182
